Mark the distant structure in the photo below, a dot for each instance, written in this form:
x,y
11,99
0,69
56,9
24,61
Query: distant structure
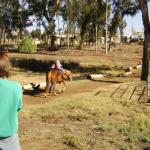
x,y
37,41
136,36
61,39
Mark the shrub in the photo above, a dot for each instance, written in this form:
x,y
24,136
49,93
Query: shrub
x,y
27,46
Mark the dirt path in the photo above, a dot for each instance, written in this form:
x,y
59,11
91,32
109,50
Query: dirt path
x,y
71,88
74,87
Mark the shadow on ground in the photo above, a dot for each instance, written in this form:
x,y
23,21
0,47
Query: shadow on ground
x,y
43,66
33,92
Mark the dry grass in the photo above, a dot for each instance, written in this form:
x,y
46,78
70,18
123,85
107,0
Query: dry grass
x,y
86,117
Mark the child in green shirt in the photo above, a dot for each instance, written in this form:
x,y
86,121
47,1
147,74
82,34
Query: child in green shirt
x,y
10,105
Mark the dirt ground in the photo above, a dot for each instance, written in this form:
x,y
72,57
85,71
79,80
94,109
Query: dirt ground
x,y
69,121
49,132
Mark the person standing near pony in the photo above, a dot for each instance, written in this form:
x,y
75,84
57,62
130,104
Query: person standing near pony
x,y
10,105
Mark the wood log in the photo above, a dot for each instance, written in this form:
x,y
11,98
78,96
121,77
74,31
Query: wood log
x,y
138,66
26,87
126,74
95,76
130,68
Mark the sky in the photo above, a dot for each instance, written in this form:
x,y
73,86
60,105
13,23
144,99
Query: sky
x,y
134,23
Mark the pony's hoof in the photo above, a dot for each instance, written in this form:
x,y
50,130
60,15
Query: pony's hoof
x,y
45,96
55,94
63,90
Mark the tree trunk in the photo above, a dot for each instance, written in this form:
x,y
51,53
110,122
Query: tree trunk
x,y
1,35
81,37
81,42
121,35
40,36
110,43
20,35
146,50
146,56
52,47
4,37
96,38
106,26
46,38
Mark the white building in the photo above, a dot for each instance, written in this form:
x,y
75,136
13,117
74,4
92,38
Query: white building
x,y
137,36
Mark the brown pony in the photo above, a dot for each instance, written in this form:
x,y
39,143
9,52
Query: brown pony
x,y
54,77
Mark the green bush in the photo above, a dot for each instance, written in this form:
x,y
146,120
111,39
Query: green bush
x,y
27,46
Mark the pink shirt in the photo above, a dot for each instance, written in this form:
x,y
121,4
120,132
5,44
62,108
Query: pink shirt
x,y
58,66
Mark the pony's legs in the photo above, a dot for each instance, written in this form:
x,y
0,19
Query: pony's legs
x,y
51,88
54,89
47,88
63,86
60,88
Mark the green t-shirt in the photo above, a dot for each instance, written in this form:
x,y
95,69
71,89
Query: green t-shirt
x,y
10,104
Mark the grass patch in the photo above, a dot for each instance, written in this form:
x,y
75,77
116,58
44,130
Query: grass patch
x,y
138,129
127,103
145,137
66,127
103,127
109,139
75,141
126,147
47,117
78,117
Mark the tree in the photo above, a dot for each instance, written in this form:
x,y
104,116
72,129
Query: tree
x,y
13,16
143,4
6,8
117,22
113,26
83,17
45,11
36,33
131,7
122,25
20,20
